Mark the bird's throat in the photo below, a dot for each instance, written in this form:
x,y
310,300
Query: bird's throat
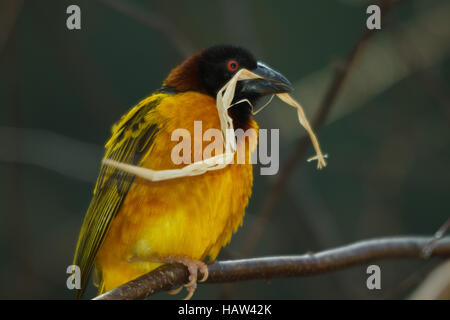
x,y
241,114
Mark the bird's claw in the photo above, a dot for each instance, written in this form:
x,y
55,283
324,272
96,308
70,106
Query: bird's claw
x,y
193,266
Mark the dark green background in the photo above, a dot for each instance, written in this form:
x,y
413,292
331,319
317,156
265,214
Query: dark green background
x,y
388,167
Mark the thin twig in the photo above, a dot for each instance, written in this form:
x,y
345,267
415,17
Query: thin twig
x,y
277,189
167,277
72,59
154,21
428,249
9,13
410,280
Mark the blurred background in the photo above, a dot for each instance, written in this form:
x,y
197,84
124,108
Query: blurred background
x,y
387,135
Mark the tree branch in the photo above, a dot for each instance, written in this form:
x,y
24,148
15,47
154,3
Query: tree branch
x,y
167,277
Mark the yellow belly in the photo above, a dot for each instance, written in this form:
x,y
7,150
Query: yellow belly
x,y
192,216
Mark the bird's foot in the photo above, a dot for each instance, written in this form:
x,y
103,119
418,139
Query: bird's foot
x,y
194,266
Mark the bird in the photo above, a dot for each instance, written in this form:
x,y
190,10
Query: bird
x,y
132,225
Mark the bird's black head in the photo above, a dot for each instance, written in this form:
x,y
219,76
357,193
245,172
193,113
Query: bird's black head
x,y
218,64
210,69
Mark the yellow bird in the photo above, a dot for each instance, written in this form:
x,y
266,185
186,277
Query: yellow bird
x,y
132,225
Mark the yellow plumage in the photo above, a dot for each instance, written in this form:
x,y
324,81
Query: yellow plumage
x,y
192,216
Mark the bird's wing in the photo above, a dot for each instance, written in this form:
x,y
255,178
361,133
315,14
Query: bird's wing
x,y
131,140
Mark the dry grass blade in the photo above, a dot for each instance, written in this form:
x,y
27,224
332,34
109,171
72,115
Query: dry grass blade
x,y
304,122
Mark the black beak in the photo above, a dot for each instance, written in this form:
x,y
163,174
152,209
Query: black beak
x,y
272,82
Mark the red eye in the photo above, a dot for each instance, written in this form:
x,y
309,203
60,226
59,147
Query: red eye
x,y
232,65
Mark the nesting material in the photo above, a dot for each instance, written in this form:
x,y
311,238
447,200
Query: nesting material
x,y
223,102
285,97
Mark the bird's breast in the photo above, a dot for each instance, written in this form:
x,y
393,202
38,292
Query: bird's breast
x,y
191,216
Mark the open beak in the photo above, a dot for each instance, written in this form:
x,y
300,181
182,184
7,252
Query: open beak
x,y
272,82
